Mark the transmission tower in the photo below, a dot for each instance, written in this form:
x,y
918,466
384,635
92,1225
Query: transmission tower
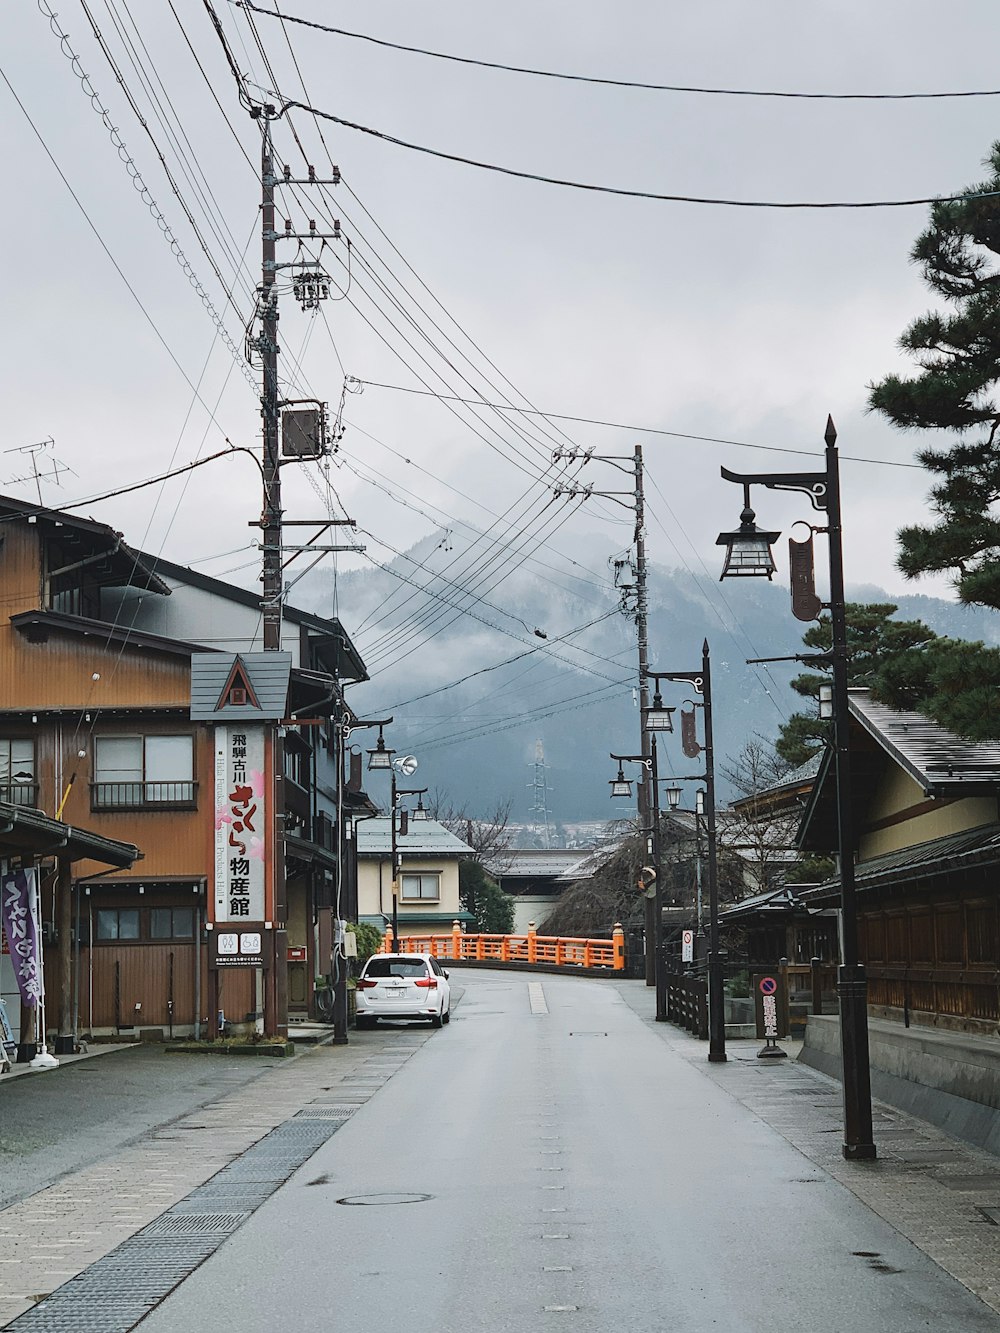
x,y
539,787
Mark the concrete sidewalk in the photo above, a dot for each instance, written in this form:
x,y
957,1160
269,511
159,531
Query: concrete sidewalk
x,y
940,1193
58,1231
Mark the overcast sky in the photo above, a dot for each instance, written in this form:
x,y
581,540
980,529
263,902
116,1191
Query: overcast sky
x,y
744,324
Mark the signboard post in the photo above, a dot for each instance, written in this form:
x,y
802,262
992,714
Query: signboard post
x,y
771,1007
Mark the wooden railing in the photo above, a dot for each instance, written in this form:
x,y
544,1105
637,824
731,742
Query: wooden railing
x,y
687,1003
531,949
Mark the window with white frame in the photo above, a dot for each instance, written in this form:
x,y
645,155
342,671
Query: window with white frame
x,y
17,771
143,770
421,888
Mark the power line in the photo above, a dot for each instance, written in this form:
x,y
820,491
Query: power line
x,y
593,187
639,430
117,267
508,661
136,177
615,83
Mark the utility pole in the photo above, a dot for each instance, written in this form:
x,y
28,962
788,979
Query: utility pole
x,y
301,437
654,926
275,1006
637,503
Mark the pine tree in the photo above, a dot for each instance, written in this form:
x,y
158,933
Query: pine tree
x,y
874,640
957,350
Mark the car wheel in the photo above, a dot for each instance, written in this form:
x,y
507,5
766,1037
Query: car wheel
x,y
363,1024
437,1021
446,1016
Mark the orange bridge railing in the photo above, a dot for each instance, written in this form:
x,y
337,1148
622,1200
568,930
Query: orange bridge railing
x,y
551,950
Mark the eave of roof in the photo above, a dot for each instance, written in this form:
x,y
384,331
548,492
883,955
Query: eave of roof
x,y
925,860
28,622
26,831
134,569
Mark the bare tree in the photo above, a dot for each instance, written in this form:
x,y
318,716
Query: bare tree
x,y
761,824
488,835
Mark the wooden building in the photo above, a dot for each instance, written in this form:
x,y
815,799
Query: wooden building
x,y
96,647
925,810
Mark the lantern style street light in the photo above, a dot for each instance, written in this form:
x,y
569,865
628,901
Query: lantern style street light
x,y
621,786
744,557
701,682
380,758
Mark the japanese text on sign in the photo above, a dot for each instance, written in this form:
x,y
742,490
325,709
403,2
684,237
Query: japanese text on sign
x,y
239,824
770,1015
18,906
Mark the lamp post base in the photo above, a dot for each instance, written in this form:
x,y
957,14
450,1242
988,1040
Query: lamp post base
x,y
852,989
717,1007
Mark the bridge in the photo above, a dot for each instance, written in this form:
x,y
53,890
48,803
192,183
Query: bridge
x,y
525,950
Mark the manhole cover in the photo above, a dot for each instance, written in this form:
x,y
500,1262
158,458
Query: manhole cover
x,y
375,1200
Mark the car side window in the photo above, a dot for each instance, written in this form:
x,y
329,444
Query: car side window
x,y
436,968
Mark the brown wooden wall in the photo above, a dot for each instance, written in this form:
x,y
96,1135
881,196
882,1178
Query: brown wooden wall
x,y
140,974
174,842
59,673
937,956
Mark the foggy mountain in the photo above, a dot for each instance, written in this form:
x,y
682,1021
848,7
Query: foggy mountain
x,y
567,696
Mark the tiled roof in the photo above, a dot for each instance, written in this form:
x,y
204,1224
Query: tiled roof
x,y
780,899
542,863
935,757
939,856
426,838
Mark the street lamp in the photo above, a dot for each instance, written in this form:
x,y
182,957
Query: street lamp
x,y
621,786
823,490
347,723
380,757
701,683
407,764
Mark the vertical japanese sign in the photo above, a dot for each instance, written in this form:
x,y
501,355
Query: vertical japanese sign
x,y
18,907
240,824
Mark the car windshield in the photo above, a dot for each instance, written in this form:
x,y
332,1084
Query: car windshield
x,y
396,967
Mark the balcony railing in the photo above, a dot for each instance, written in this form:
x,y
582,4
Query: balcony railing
x,y
142,795
19,793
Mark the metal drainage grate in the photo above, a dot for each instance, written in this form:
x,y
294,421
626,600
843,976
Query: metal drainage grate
x,y
195,1224
326,1112
117,1292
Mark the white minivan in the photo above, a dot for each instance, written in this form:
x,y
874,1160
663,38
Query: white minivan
x,y
402,985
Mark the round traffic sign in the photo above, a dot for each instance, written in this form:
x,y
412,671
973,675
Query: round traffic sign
x,y
768,985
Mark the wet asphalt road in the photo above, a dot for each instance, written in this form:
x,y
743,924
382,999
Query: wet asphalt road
x,y
60,1121
578,1175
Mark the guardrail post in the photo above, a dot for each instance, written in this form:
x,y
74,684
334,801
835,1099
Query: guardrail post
x,y
618,947
505,949
456,939
479,947
560,953
532,946
387,941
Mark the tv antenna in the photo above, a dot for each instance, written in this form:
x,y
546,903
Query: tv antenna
x,y
33,451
